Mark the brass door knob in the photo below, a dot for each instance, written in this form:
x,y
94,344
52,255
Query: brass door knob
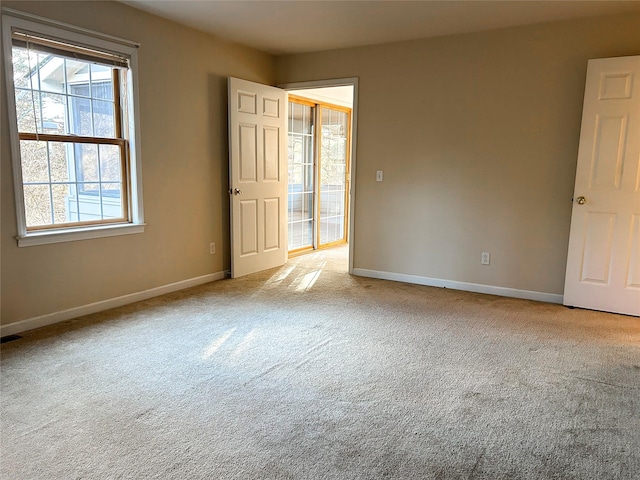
x,y
581,200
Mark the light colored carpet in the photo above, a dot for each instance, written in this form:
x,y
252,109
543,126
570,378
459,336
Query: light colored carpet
x,y
305,372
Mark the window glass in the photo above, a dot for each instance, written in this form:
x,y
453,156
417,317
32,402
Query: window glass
x,y
66,181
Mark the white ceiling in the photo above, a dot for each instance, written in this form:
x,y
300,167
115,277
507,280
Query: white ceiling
x,y
282,27
342,96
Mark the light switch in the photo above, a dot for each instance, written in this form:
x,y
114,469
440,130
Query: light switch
x,y
379,176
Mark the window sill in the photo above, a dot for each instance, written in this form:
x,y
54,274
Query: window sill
x,y
74,234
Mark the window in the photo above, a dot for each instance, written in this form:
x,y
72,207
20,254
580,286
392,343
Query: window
x,y
76,159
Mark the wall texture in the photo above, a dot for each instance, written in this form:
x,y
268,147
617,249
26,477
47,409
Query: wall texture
x,y
477,135
183,116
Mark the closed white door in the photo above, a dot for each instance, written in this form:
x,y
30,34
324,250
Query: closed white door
x,y
603,264
257,176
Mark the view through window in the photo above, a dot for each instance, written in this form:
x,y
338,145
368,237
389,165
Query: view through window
x,y
72,150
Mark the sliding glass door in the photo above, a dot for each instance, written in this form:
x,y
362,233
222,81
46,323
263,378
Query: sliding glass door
x,y
333,176
301,176
318,174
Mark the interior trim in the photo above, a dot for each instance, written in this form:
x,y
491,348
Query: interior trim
x,y
61,316
465,286
44,237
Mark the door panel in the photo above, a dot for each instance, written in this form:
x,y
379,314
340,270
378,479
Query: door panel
x,y
610,140
249,227
272,222
271,106
248,154
633,279
247,102
603,269
257,176
271,155
598,247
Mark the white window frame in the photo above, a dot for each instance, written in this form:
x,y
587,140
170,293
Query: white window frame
x,y
14,20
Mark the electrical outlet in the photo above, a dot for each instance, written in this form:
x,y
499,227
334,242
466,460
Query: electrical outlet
x,y
212,248
485,258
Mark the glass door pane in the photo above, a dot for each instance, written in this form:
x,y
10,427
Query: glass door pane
x,y
300,193
333,175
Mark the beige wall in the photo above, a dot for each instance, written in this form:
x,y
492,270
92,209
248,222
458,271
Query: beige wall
x,y
183,117
477,136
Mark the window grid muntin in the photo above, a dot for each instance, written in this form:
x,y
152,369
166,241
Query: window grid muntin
x,y
66,93
35,119
122,198
53,216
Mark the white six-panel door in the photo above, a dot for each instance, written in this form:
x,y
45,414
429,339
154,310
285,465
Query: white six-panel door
x,y
603,264
257,176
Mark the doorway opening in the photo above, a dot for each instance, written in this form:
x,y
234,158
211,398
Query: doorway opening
x,y
319,159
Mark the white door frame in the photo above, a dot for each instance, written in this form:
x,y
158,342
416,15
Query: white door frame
x,y
341,82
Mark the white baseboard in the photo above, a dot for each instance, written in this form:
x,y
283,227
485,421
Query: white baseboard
x,y
466,286
55,317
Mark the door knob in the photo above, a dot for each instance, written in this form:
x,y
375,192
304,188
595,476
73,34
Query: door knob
x,y
581,200
237,191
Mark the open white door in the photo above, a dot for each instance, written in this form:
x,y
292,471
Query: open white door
x,y
257,176
603,264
